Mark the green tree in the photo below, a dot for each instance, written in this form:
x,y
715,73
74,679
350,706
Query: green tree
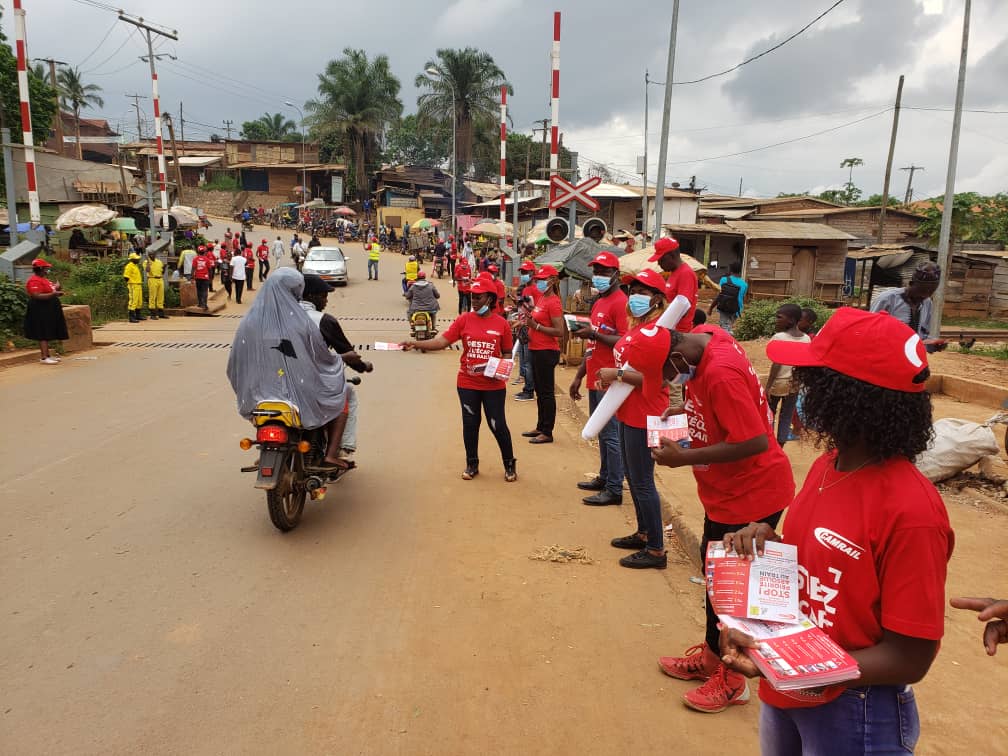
x,y
465,87
43,105
409,143
358,98
975,218
522,151
850,193
76,95
274,127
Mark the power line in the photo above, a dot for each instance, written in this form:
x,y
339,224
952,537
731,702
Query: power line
x,y
765,52
102,42
786,141
131,32
950,110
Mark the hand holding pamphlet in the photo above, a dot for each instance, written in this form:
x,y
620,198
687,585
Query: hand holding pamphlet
x,y
674,428
498,368
387,346
575,323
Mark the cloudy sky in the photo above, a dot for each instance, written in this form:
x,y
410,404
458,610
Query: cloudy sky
x,y
238,59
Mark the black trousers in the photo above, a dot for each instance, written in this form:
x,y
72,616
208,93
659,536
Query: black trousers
x,y
249,275
492,403
544,362
716,531
239,287
202,290
264,269
465,302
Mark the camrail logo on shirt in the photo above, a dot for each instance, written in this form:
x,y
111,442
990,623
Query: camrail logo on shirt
x,y
833,540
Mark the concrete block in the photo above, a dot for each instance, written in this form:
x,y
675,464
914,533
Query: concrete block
x,y
78,320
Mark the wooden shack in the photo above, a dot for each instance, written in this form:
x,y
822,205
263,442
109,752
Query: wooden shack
x,y
861,223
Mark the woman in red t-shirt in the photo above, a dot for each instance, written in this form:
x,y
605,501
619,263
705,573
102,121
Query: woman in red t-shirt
x,y
639,356
463,278
44,321
484,334
545,329
873,540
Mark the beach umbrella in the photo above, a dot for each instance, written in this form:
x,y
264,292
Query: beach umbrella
x,y
85,216
488,228
344,210
422,223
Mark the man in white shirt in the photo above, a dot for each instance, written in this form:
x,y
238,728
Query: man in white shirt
x,y
278,250
237,263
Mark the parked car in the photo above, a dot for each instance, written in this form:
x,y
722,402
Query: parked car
x,y
329,263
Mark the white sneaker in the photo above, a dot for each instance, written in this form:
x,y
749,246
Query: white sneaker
x,y
49,361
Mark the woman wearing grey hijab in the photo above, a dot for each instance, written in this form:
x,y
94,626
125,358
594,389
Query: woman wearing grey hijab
x,y
278,354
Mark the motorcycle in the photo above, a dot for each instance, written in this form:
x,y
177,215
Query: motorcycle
x,y
422,326
439,266
289,458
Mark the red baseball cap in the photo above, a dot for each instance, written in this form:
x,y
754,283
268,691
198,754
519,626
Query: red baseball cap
x,y
872,347
38,262
200,248
527,265
493,268
650,278
546,271
606,259
421,274
662,247
484,275
482,286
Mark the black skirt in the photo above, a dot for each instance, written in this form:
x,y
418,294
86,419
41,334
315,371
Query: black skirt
x,y
44,320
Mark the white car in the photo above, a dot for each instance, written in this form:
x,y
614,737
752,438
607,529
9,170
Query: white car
x,y
329,263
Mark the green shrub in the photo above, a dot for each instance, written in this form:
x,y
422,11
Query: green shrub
x,y
223,183
757,319
182,243
13,302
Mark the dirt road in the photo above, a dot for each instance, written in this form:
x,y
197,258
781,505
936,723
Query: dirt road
x,y
149,606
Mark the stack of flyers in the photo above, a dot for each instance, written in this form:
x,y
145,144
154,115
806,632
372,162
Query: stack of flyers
x,y
675,428
570,319
498,368
387,346
765,588
795,656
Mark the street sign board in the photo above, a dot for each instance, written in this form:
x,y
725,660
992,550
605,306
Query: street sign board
x,y
562,193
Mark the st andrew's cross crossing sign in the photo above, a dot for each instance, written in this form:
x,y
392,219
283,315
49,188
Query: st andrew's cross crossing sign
x,y
563,192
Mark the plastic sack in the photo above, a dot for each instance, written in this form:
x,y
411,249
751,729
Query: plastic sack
x,y
957,445
611,401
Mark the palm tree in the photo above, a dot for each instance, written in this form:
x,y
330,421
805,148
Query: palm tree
x,y
852,163
357,99
466,87
76,95
275,126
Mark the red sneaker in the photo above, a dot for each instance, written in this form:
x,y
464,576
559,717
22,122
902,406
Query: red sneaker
x,y
698,663
724,688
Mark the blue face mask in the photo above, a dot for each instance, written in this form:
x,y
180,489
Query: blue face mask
x,y
602,283
542,286
525,278
483,310
639,304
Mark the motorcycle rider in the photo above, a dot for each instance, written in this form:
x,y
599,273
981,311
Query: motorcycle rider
x,y
410,272
313,301
423,296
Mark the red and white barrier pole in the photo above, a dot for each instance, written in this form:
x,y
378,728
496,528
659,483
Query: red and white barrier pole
x,y
157,133
555,101
503,155
31,182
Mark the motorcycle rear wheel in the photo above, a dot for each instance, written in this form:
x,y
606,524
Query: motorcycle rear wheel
x,y
286,501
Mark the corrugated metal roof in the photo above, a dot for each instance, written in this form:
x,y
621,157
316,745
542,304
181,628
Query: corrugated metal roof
x,y
485,189
297,166
821,212
733,214
623,191
192,161
786,230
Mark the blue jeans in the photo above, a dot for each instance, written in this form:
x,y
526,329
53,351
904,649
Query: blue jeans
x,y
640,477
522,353
372,268
787,409
879,719
610,455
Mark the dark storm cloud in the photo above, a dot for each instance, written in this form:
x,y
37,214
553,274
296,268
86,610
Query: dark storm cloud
x,y
820,69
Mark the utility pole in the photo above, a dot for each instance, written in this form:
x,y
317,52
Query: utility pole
x,y
136,104
173,35
938,299
229,128
542,152
666,116
10,190
888,165
644,202
175,156
740,186
59,113
909,191
181,118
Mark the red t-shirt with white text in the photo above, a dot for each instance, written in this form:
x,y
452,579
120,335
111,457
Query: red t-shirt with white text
x,y
725,401
39,285
873,551
645,349
262,251
683,281
463,277
201,267
546,308
482,338
608,316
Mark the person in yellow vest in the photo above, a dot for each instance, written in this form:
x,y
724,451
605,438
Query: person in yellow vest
x,y
410,272
155,285
373,248
134,286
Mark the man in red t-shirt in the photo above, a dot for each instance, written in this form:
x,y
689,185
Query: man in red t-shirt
x,y
202,266
263,252
742,476
609,323
679,276
249,256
